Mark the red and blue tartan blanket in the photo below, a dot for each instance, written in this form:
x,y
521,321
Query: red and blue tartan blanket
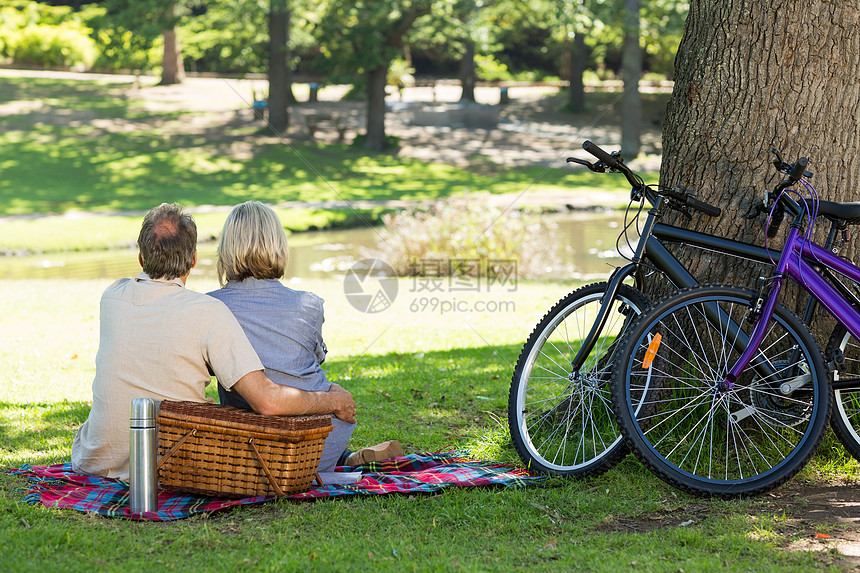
x,y
58,486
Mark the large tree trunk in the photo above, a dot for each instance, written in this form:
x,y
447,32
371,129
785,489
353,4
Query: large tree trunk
x,y
467,72
751,76
279,89
376,80
631,71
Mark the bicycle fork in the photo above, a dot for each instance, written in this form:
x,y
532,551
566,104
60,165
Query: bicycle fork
x,y
615,280
762,323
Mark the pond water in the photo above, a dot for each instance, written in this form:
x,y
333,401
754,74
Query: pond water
x,y
585,246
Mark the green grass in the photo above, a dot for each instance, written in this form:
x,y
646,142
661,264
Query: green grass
x,y
432,380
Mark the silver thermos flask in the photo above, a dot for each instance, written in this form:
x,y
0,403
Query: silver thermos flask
x,y
143,496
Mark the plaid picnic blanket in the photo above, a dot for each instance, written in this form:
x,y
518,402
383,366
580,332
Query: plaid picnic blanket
x,y
59,487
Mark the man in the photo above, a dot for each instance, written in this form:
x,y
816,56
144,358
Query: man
x,y
160,340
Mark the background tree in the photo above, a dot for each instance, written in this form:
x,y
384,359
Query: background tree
x,y
172,69
468,15
754,76
150,19
364,36
279,81
662,24
631,73
460,37
227,36
472,33
573,19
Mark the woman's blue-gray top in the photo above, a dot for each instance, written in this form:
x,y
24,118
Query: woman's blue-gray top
x,y
285,328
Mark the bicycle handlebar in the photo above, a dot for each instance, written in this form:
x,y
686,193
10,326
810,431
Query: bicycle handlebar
x,y
702,207
599,153
689,201
614,162
795,173
798,170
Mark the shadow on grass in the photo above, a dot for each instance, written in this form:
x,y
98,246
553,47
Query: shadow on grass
x,y
82,145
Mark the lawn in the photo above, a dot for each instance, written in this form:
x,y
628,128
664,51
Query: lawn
x,y
435,380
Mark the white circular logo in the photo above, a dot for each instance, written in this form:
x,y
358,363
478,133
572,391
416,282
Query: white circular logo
x,y
370,285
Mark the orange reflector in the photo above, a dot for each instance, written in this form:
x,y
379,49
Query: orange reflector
x,y
652,350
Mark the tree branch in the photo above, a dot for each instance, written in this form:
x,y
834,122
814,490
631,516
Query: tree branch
x,y
394,37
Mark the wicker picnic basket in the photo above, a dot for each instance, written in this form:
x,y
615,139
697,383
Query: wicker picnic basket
x,y
223,451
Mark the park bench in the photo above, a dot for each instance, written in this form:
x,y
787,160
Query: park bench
x,y
317,121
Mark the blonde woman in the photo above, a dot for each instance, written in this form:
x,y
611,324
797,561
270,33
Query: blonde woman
x,y
283,325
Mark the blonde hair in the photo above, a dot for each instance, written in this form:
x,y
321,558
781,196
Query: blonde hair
x,y
253,244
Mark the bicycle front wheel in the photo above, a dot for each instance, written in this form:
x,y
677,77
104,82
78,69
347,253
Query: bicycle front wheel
x,y
561,420
700,432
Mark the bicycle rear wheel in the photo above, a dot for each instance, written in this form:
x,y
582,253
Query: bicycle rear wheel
x,y
561,421
845,418
701,434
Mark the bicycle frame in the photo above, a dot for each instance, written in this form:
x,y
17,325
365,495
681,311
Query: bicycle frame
x,y
659,256
795,260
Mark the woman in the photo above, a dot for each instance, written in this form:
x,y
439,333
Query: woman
x,y
283,325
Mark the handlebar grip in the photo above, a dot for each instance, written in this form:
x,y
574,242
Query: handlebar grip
x,y
799,168
706,208
599,153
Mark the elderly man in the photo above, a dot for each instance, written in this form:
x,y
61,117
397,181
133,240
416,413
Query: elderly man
x,y
160,340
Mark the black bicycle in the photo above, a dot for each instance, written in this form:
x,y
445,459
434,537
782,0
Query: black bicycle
x,y
560,407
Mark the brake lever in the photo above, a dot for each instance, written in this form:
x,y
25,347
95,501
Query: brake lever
x,y
681,208
759,207
777,161
784,167
599,167
755,210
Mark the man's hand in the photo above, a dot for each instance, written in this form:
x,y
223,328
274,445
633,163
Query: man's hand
x,y
344,404
337,388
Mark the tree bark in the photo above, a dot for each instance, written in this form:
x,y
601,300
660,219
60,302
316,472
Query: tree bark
x,y
748,77
467,72
279,88
376,80
631,71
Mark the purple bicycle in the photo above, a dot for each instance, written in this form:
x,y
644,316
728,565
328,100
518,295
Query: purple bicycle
x,y
721,390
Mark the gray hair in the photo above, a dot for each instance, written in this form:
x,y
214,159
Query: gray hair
x,y
253,244
167,242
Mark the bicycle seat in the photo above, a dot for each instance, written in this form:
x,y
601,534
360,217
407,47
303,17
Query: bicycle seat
x,y
848,212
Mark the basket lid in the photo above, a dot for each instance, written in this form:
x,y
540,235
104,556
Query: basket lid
x,y
230,417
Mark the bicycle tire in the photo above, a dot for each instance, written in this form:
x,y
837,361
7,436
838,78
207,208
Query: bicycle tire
x,y
699,434
845,417
561,423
